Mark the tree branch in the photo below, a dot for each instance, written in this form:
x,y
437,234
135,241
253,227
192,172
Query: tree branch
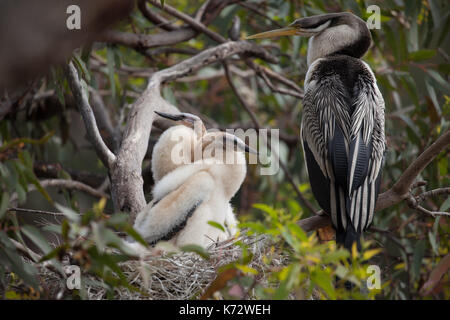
x,y
155,18
72,184
63,183
194,24
147,41
400,190
255,120
139,41
261,71
23,210
82,103
433,193
126,178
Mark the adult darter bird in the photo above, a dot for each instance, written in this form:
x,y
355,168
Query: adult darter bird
x,y
342,127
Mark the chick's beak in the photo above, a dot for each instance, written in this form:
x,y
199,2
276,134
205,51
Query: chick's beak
x,y
174,117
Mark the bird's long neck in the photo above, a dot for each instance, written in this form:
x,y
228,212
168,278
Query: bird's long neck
x,y
351,40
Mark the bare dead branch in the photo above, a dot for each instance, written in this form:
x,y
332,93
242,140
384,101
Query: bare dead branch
x,y
27,252
400,190
103,120
195,24
263,73
139,41
254,118
23,210
71,184
261,13
127,183
169,50
201,11
155,18
147,41
433,193
414,204
63,183
82,103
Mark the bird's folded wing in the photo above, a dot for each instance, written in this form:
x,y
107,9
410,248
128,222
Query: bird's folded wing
x,y
343,143
170,214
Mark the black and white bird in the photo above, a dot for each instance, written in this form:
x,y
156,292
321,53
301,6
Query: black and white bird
x,y
342,127
196,174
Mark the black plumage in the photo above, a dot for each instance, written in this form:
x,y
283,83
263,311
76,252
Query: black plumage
x,y
334,122
342,130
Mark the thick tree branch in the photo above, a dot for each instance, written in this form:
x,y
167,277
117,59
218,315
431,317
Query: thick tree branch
x,y
264,73
400,190
127,183
82,103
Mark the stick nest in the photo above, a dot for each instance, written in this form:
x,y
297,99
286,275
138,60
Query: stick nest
x,y
176,276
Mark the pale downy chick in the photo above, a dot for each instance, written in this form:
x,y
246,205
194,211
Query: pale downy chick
x,y
187,197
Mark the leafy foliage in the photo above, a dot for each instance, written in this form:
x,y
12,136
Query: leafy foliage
x,y
410,59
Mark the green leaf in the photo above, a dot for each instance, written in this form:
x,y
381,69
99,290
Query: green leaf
x,y
433,98
197,249
268,209
433,243
439,80
110,64
419,253
423,54
69,213
36,236
30,175
323,280
297,231
136,236
81,66
246,269
216,225
4,202
335,256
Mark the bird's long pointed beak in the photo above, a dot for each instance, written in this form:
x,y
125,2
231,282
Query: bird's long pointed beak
x,y
288,31
175,117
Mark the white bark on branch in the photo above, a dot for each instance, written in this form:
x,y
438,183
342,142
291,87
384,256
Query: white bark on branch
x,y
127,182
81,100
64,183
